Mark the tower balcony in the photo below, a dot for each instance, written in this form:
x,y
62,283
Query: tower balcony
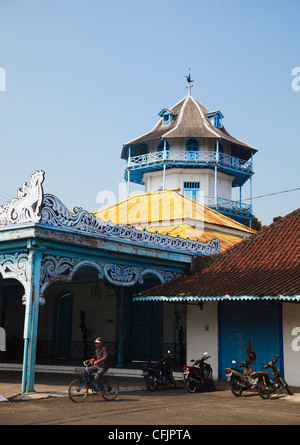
x,y
138,165
240,211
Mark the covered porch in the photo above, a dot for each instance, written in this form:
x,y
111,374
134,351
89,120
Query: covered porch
x,y
75,275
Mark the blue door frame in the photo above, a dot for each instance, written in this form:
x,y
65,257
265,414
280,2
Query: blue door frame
x,y
63,325
249,325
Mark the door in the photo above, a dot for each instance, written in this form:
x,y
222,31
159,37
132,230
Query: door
x,y
245,326
63,326
147,341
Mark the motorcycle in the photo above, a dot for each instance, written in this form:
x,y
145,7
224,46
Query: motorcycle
x,y
198,376
158,373
265,385
241,377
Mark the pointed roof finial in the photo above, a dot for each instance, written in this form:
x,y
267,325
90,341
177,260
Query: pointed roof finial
x,y
189,81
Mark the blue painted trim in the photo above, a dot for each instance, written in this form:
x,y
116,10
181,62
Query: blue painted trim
x,y
176,298
281,340
219,340
137,172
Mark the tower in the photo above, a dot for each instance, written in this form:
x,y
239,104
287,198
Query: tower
x,y
190,150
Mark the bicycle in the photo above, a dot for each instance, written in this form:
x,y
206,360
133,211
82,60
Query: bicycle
x,y
79,388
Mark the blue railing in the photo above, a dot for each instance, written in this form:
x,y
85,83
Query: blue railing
x,y
228,206
186,157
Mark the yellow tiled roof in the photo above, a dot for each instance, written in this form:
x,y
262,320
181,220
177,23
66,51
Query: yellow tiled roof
x,y
164,206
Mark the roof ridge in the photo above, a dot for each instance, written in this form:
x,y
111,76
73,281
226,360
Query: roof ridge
x,y
180,116
204,118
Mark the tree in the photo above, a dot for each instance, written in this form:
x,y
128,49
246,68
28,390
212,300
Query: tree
x,y
256,224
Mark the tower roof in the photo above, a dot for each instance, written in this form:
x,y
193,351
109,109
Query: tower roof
x,y
191,121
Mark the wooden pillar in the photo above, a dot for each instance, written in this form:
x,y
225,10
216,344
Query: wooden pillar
x,y
128,171
164,159
120,363
216,173
31,319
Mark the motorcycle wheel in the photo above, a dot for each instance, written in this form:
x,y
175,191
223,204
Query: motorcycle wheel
x,y
288,390
190,385
263,391
151,383
285,386
235,388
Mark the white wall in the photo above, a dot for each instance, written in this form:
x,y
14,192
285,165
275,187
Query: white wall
x,y
291,342
175,177
202,333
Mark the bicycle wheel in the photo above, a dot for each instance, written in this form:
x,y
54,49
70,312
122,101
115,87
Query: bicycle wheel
x,y
78,391
111,389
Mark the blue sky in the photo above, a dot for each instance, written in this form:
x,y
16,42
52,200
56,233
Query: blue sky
x,y
85,76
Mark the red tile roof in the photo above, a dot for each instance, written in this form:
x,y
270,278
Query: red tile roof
x,y
265,265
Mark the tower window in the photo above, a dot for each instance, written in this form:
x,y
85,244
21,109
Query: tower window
x,y
166,115
216,118
192,190
192,149
161,146
166,119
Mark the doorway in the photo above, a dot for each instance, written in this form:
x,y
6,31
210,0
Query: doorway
x,y
249,325
63,325
147,341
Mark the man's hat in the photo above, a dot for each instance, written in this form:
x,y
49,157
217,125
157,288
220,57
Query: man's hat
x,y
98,340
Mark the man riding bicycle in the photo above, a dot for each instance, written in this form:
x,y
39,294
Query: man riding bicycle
x,y
100,365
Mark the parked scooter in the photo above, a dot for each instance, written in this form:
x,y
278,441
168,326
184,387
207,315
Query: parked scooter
x,y
265,385
158,373
199,376
240,378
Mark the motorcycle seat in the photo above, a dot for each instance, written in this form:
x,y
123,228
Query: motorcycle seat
x,y
266,373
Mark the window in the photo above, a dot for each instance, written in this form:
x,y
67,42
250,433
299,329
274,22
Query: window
x,y
192,190
166,115
192,149
161,146
216,118
166,119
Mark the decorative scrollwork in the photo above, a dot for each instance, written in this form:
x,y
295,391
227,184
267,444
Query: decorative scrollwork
x,y
57,268
121,274
34,206
16,266
26,207
55,213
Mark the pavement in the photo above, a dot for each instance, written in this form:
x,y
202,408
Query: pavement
x,y
54,382
51,382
